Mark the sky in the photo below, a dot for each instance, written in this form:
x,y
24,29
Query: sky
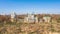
x,y
30,6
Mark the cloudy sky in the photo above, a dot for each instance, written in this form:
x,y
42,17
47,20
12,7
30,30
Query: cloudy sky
x,y
30,6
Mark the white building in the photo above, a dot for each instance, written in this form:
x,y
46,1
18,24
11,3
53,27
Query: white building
x,y
30,18
47,18
12,16
36,19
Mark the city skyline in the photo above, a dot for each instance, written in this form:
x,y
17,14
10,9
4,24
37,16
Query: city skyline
x,y
30,6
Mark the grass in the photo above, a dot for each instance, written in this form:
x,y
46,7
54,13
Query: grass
x,y
36,28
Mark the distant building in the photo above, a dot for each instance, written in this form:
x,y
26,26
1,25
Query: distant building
x,y
36,19
30,18
47,18
26,19
13,15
